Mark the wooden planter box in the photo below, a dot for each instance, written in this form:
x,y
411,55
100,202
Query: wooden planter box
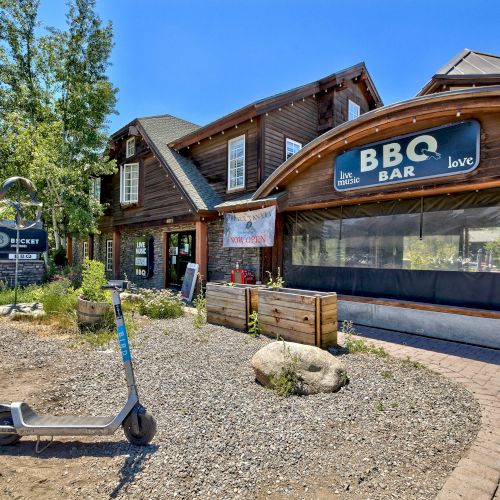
x,y
231,305
300,316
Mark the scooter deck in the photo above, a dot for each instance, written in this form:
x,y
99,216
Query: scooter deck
x,y
33,423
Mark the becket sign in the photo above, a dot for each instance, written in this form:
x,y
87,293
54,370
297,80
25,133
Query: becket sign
x,y
437,152
30,241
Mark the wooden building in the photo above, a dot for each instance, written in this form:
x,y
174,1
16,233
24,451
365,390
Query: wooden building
x,y
174,178
399,210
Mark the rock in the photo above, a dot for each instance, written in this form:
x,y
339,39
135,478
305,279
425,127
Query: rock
x,y
318,370
130,297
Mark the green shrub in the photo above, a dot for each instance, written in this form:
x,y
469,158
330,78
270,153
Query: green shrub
x,y
27,294
160,304
284,383
253,324
201,307
354,344
58,297
93,278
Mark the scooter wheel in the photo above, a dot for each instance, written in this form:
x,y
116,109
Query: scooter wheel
x,y
7,439
147,429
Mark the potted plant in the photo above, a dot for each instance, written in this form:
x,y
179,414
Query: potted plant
x,y
92,303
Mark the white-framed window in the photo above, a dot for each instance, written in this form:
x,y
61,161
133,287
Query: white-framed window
x,y
95,188
129,183
291,147
353,110
109,255
236,163
85,249
130,147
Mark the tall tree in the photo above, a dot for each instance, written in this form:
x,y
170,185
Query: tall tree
x,y
55,100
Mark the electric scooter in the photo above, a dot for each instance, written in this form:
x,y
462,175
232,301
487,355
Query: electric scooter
x,y
19,419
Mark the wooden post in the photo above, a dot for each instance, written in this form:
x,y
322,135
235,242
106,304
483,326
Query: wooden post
x,y
248,304
201,255
69,250
91,246
116,255
318,320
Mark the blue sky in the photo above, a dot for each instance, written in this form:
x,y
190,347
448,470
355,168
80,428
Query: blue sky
x,y
202,59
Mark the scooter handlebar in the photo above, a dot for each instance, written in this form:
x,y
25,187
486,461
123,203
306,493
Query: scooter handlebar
x,y
116,284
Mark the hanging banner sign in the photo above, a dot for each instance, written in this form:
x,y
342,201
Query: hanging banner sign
x,y
30,240
144,256
250,229
436,152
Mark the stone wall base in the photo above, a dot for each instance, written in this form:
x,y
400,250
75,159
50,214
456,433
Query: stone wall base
x,y
30,272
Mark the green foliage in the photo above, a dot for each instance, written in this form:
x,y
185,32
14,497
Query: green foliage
x,y
160,304
380,406
200,302
58,297
387,374
344,378
93,278
409,363
105,332
55,98
284,383
27,294
253,324
355,344
275,282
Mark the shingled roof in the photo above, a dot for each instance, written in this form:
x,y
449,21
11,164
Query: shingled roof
x,y
158,131
468,67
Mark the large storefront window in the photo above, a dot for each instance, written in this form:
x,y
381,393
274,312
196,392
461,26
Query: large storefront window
x,y
466,239
443,250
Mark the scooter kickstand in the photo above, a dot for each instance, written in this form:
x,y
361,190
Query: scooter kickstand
x,y
37,446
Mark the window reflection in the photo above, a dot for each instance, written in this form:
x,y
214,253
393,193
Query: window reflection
x,y
466,239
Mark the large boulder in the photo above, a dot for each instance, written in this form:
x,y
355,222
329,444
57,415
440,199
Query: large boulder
x,y
318,370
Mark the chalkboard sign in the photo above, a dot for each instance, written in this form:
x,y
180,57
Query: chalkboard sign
x,y
189,282
144,257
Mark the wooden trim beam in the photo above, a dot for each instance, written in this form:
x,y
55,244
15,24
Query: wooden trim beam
x,y
201,251
452,188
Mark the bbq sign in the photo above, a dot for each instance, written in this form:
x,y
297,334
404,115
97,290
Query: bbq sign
x,y
143,257
437,152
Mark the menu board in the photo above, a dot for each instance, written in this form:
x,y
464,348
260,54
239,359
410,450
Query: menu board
x,y
144,257
189,282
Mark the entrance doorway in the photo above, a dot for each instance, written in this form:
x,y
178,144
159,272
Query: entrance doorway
x,y
180,251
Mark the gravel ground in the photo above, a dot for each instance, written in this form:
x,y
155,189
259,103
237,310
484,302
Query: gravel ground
x,y
395,430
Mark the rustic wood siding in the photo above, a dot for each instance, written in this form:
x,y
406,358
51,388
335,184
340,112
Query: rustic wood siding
x,y
298,122
210,156
316,183
158,198
352,91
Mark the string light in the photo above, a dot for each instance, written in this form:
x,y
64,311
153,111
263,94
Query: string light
x,y
458,114
414,120
376,129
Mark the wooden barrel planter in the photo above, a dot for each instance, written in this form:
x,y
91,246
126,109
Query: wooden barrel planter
x,y
302,316
89,313
231,305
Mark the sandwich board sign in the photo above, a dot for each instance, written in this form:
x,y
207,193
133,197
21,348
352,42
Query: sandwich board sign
x,y
189,282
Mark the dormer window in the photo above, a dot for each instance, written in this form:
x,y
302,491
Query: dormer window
x,y
291,148
353,110
130,147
